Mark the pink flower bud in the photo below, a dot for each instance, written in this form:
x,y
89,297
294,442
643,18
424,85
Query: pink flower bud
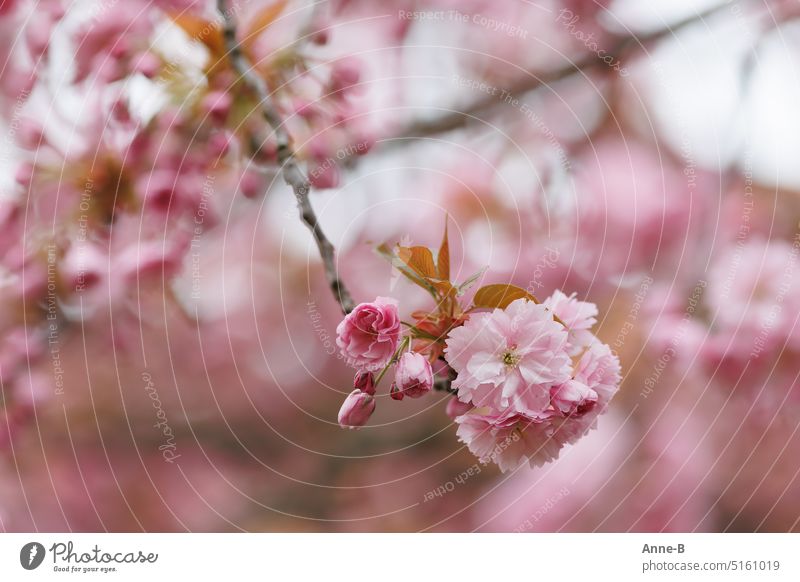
x,y
305,109
84,266
38,38
32,388
252,184
456,408
573,398
217,105
363,144
151,259
219,144
24,174
147,64
324,176
395,392
356,409
322,35
9,214
345,73
414,376
120,49
19,347
30,133
160,189
319,148
365,381
120,111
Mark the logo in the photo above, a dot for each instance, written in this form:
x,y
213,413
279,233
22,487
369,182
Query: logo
x,y
31,555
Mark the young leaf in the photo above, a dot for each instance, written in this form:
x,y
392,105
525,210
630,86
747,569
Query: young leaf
x,y
500,296
443,258
445,287
401,266
464,287
420,259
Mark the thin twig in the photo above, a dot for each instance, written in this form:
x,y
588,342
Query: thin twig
x,y
292,174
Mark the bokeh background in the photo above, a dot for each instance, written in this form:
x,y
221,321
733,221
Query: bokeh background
x,y
641,154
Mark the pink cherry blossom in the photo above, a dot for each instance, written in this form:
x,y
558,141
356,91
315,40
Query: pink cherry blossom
x,y
367,337
600,370
573,398
511,439
456,408
578,316
414,377
509,358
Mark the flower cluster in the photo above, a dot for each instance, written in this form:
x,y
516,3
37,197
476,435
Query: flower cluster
x,y
527,377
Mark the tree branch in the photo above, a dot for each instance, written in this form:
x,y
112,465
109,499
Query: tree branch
x,y
474,111
292,174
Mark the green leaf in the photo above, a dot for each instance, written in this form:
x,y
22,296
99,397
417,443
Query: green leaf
x,y
500,296
464,287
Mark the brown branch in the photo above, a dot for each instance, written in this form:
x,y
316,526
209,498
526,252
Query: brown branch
x,y
292,174
476,110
